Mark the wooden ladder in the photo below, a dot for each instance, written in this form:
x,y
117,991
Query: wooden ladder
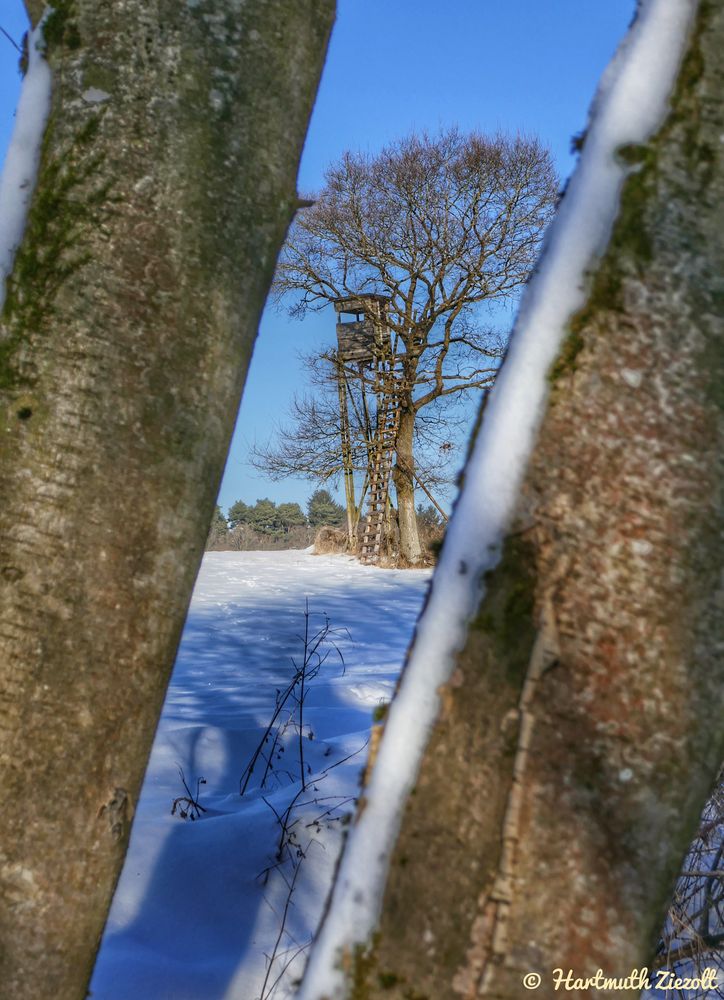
x,y
388,423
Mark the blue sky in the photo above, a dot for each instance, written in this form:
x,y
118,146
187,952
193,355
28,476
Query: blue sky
x,y
395,66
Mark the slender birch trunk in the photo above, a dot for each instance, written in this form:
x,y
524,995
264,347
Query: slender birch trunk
x,y
166,185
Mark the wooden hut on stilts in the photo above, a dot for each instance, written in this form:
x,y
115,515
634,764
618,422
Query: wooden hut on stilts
x,y
364,340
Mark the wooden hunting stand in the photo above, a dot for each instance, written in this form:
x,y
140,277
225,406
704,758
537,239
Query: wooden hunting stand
x,y
366,342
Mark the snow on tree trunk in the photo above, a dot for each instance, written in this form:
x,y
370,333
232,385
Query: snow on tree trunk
x,y
166,184
410,549
579,732
583,725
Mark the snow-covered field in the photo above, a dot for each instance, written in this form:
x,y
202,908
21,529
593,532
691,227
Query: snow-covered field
x,y
192,919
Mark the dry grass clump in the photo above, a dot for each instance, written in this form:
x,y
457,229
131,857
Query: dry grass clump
x,y
330,541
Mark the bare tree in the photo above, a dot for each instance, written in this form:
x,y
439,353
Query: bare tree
x,y
166,184
442,225
692,939
313,444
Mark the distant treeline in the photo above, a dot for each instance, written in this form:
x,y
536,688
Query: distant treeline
x,y
267,525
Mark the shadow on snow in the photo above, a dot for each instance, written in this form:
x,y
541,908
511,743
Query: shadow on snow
x,y
191,919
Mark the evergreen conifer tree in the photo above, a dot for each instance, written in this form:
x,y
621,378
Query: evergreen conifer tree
x,y
323,510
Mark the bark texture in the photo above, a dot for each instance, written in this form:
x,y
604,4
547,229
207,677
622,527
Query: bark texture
x,y
410,548
166,186
581,733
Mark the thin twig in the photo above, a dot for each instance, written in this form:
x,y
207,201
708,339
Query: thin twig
x,y
11,40
194,806
300,949
264,994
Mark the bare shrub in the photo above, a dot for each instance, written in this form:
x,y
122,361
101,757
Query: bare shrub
x,y
692,940
244,538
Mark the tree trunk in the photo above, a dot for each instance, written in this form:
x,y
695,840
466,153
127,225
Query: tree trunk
x,y
166,184
347,464
581,732
403,474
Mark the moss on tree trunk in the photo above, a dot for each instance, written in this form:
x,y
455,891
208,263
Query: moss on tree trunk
x,y
166,185
566,775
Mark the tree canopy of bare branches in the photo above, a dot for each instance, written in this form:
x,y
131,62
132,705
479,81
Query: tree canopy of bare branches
x,y
442,225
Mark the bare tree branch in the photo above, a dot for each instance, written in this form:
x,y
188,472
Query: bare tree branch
x,y
442,226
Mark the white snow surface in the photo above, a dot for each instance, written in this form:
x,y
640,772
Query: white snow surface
x,y
190,919
20,170
630,103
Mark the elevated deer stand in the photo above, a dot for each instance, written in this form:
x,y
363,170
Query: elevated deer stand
x,y
365,340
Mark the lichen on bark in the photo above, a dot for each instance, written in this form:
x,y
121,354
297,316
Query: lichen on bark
x,y
166,184
622,518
